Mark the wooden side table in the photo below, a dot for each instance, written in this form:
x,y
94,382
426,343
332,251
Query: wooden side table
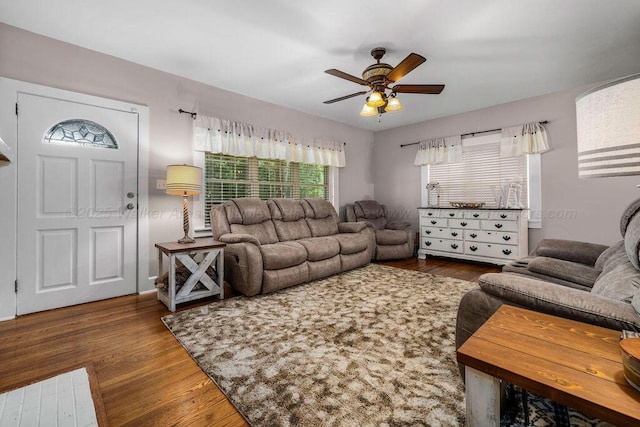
x,y
573,363
186,253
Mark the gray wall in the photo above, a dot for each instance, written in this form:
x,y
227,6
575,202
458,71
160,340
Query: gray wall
x,y
572,208
36,59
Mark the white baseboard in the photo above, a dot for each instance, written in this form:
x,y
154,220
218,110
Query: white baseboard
x,y
7,318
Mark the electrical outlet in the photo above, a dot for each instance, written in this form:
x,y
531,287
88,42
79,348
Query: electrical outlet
x,y
161,184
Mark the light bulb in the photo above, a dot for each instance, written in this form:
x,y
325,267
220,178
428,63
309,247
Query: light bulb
x,y
368,111
375,100
393,105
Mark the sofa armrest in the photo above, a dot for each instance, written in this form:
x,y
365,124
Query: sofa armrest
x,y
558,300
351,227
584,275
397,225
569,250
238,238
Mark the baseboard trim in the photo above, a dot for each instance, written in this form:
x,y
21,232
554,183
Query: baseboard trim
x,y
2,319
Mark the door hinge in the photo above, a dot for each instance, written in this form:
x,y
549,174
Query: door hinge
x,y
16,108
16,285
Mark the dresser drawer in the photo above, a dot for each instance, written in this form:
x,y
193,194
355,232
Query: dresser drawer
x,y
510,238
504,215
434,222
429,213
491,250
443,245
476,214
505,225
445,233
465,223
451,213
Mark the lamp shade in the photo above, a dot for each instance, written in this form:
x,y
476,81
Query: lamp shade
x,y
375,100
393,105
184,180
368,111
608,125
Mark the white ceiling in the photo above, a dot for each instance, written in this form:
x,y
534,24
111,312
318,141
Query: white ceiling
x,y
486,52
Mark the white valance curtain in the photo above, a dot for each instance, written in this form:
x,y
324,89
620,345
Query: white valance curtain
x,y
529,138
439,150
216,135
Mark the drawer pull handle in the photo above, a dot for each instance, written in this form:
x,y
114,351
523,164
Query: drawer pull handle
x,y
454,246
473,248
476,215
429,213
434,222
451,214
454,234
427,232
464,224
507,238
498,225
427,243
506,251
473,235
503,216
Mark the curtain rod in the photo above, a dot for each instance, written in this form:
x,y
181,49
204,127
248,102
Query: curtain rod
x,y
193,115
470,134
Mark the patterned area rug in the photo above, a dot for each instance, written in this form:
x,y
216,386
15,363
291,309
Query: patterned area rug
x,y
373,346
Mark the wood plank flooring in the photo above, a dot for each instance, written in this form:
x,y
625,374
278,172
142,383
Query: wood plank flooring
x,y
145,376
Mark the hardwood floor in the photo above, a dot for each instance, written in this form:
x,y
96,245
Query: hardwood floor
x,y
146,378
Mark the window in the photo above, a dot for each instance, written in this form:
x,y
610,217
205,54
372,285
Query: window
x,y
81,132
227,177
472,179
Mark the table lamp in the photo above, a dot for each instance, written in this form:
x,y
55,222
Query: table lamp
x,y
186,181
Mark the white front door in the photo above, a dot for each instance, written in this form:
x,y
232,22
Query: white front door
x,y
77,203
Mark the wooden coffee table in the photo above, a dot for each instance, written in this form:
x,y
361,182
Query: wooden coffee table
x,y
572,363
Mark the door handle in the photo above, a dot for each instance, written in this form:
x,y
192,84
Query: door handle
x,y
130,195
130,206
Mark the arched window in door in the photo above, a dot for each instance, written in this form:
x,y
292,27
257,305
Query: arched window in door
x,y
82,132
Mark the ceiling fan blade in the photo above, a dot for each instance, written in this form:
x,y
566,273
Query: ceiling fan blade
x,y
346,76
428,89
342,98
403,68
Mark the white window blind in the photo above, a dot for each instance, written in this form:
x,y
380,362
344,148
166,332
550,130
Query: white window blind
x,y
481,168
228,177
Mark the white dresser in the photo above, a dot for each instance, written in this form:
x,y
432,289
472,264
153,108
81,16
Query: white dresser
x,y
494,236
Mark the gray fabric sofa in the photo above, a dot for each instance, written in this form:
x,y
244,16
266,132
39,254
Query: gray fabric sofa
x,y
586,282
392,240
283,242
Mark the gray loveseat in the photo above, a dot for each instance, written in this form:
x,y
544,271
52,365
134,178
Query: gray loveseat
x,y
392,240
586,282
284,242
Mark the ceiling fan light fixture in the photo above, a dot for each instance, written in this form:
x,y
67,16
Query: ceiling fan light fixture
x,y
393,104
375,100
368,111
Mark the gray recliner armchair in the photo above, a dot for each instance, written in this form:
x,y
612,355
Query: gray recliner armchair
x,y
392,240
582,281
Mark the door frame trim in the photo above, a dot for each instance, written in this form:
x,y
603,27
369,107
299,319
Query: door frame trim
x,y
9,90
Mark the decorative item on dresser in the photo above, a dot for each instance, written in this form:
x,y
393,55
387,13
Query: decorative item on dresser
x,y
489,235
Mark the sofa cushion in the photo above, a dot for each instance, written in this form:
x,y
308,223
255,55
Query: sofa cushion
x,y
288,219
368,209
319,248
251,210
264,232
282,255
391,237
632,241
351,243
321,217
628,214
620,283
615,250
285,209
566,270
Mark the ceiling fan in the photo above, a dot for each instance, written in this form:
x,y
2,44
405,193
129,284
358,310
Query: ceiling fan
x,y
378,77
